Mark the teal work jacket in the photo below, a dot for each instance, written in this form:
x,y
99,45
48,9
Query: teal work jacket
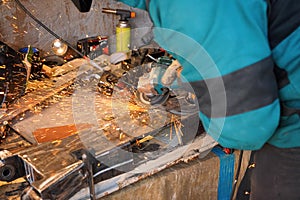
x,y
244,70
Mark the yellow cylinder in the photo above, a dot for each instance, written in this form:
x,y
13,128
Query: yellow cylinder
x,y
123,37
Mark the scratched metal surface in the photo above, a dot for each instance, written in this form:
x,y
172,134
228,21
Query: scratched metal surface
x,y
115,121
62,17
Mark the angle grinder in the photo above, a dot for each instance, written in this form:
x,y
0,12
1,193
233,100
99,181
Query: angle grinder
x,y
154,87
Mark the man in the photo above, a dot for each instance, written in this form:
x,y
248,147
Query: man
x,y
229,51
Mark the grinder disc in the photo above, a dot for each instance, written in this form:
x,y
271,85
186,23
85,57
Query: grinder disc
x,y
159,99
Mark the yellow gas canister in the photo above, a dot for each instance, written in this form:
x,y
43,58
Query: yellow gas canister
x,y
123,30
123,36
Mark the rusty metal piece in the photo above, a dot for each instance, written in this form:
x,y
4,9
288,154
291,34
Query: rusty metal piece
x,y
59,132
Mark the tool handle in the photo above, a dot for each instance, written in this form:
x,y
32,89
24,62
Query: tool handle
x,y
124,14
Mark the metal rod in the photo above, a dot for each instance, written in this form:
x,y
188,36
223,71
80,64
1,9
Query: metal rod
x,y
90,178
237,175
108,10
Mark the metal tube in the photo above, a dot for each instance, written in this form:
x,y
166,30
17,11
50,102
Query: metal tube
x,y
109,10
90,178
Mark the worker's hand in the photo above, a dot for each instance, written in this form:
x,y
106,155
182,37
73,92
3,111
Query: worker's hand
x,y
149,81
171,74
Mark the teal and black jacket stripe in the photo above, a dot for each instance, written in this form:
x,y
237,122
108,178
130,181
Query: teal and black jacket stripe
x,y
226,56
284,36
257,84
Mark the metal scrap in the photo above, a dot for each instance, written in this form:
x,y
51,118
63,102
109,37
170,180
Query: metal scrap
x,y
175,122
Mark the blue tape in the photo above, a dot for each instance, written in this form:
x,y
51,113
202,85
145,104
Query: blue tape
x,y
25,50
226,173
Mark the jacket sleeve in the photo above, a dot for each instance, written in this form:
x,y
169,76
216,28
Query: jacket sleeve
x,y
284,37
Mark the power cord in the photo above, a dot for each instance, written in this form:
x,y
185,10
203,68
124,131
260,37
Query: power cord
x,y
57,36
46,28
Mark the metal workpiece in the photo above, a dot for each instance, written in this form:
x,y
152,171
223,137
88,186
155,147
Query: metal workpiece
x,y
88,144
60,169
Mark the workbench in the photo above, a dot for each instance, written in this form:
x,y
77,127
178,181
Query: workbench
x,y
58,129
